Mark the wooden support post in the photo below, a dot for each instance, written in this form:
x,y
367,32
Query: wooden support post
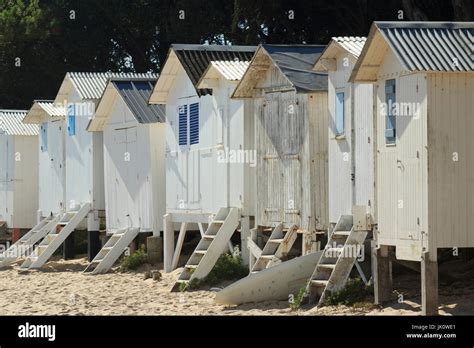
x,y
244,234
429,284
381,273
93,235
253,237
154,249
68,247
168,243
179,245
201,229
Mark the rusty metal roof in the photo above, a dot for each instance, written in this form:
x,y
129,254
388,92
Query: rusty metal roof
x,y
11,123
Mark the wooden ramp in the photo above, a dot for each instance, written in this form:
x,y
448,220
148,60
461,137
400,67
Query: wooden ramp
x,y
271,284
338,259
213,243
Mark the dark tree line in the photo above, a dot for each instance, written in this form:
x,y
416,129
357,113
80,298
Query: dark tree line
x,y
40,40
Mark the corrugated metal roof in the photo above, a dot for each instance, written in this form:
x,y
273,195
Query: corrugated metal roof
x,y
52,109
431,46
91,85
11,123
196,58
136,95
296,62
230,69
352,44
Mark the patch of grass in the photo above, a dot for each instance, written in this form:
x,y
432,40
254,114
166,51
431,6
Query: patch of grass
x,y
297,301
355,292
228,267
134,260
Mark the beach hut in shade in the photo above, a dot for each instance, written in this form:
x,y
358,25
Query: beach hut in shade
x,y
202,128
423,77
18,170
50,179
84,199
134,162
350,167
290,108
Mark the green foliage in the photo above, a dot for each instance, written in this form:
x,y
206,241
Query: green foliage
x,y
297,301
134,260
228,267
182,287
354,292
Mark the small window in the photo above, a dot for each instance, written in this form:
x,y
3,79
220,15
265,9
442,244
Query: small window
x,y
340,113
71,120
44,136
194,123
183,125
390,124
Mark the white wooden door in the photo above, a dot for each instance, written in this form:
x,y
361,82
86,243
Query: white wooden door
x,y
120,158
409,149
4,179
56,152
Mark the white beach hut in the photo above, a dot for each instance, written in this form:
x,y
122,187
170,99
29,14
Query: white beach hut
x,y
18,170
134,159
423,77
84,198
202,126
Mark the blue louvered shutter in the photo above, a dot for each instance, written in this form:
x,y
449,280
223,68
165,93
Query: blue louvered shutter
x,y
183,125
390,99
71,122
44,136
194,123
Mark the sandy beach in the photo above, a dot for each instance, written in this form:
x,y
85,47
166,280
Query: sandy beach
x,y
60,288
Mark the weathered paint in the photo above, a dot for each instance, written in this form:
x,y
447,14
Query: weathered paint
x,y
291,142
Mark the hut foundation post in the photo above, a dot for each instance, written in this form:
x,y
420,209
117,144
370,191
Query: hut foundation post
x,y
168,243
68,247
93,235
382,273
429,284
244,234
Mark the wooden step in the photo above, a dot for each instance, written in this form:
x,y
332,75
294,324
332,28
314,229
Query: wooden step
x,y
342,233
327,266
208,236
200,252
220,222
278,241
319,283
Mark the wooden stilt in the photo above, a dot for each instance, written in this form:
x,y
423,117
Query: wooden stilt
x,y
168,243
244,234
179,245
429,284
381,273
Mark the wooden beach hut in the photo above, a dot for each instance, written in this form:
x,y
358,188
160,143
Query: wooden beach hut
x,y
205,190
423,77
18,171
134,163
290,107
84,198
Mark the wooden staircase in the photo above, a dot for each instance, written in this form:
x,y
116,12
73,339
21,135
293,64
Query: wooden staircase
x,y
56,236
213,243
277,246
112,250
24,246
338,259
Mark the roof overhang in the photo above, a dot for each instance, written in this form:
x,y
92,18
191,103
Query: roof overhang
x,y
103,110
371,57
258,67
39,112
167,78
231,71
328,60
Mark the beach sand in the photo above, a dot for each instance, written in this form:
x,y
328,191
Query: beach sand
x,y
60,288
